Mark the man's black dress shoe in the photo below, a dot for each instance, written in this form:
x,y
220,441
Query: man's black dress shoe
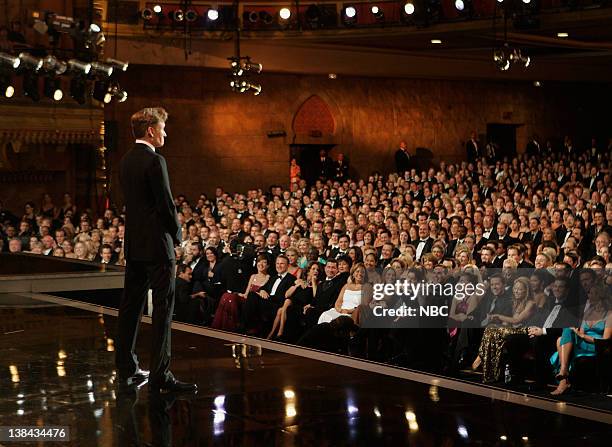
x,y
173,386
138,378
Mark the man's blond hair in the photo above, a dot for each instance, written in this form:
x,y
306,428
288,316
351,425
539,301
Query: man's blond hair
x,y
145,118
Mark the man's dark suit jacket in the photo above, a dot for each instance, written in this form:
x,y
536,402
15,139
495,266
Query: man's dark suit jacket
x,y
472,151
426,249
328,291
402,161
281,290
503,306
151,227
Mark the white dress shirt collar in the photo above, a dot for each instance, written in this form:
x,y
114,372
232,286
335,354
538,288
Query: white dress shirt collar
x,y
146,143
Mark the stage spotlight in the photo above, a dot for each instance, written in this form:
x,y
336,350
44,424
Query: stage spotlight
x,y
464,7
147,14
285,13
526,1
30,61
157,9
502,62
7,59
253,66
101,92
177,15
377,12
94,35
119,65
350,12
349,16
30,86
79,67
266,17
409,8
78,87
118,94
6,86
52,64
251,16
102,69
212,15
517,56
237,70
256,89
53,89
245,86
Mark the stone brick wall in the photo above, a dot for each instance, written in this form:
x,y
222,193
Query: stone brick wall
x,y
217,137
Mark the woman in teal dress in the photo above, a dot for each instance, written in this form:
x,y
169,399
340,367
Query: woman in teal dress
x,y
580,342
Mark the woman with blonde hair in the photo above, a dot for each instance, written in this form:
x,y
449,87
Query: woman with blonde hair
x,y
81,251
303,247
294,268
463,257
349,297
494,338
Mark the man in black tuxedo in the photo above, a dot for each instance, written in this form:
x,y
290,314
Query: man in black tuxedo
x,y
341,168
563,312
151,231
260,307
498,301
423,246
472,148
326,296
402,159
325,167
533,147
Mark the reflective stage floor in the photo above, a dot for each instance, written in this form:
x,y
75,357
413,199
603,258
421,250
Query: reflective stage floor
x,y
57,368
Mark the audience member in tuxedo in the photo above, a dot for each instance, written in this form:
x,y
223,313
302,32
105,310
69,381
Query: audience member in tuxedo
x,y
325,167
350,297
187,308
386,255
272,248
472,148
496,301
260,307
48,245
517,253
298,295
500,253
494,340
425,243
533,147
402,158
341,168
106,255
324,299
544,338
342,249
491,152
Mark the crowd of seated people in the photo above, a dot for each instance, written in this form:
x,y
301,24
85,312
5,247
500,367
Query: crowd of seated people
x,y
63,232
299,265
